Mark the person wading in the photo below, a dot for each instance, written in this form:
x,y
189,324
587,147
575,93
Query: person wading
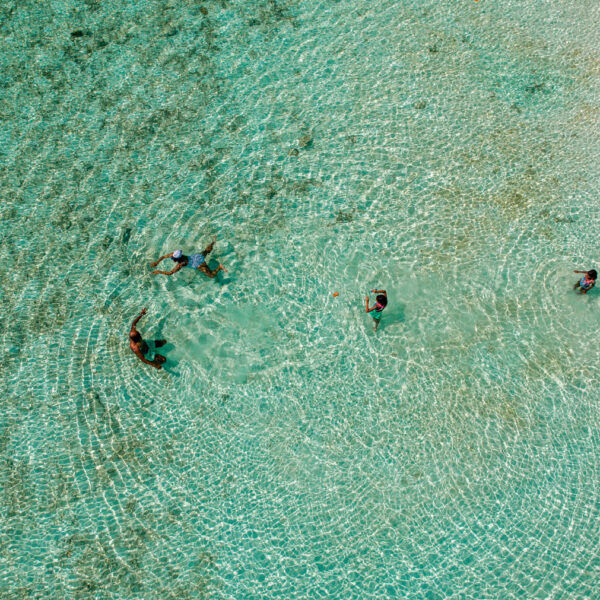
x,y
140,348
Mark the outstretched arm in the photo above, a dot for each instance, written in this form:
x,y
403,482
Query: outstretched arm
x,y
380,292
367,309
135,321
173,270
161,258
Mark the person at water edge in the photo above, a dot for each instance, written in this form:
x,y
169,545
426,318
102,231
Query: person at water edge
x,y
377,308
587,282
140,348
194,261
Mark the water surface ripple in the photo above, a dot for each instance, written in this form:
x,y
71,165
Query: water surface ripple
x,y
445,151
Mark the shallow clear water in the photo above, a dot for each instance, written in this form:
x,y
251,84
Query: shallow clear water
x,y
445,151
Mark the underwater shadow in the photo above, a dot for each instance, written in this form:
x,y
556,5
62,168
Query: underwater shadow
x,y
163,349
395,316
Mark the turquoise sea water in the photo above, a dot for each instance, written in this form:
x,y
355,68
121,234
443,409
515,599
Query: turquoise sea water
x,y
447,152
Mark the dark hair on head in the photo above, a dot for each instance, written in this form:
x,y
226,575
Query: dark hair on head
x,y
178,260
382,299
135,337
593,274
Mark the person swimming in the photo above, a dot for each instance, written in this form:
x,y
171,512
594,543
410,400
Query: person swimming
x,y
194,261
140,348
380,303
587,282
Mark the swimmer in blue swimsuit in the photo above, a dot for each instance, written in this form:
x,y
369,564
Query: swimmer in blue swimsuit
x,y
380,304
587,282
194,261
